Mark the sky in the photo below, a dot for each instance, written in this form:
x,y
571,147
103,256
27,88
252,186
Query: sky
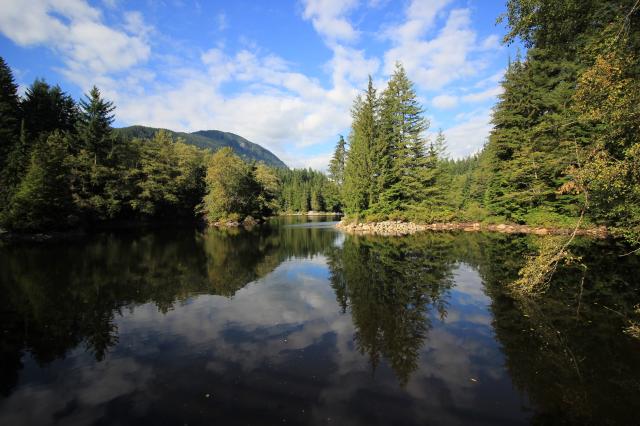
x,y
281,73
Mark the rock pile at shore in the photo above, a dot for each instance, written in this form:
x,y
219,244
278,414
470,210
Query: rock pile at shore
x,y
391,227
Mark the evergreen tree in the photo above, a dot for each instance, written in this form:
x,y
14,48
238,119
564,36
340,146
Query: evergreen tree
x,y
402,151
15,167
438,148
94,125
9,112
535,138
336,165
359,172
43,198
158,184
47,108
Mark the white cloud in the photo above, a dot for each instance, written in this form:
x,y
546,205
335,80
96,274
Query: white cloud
x,y
254,93
470,134
278,108
134,24
491,42
445,101
435,62
328,18
485,95
421,16
492,80
75,30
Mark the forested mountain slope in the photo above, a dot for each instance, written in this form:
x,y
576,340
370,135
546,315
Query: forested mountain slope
x,y
212,140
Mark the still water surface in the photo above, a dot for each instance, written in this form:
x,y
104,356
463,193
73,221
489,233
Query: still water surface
x,y
296,323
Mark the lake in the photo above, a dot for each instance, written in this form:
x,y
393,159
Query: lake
x,y
294,322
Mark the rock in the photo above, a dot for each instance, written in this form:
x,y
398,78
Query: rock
x,y
249,221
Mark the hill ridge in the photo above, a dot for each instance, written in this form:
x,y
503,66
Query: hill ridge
x,y
212,140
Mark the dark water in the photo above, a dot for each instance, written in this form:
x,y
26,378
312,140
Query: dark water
x,y
299,324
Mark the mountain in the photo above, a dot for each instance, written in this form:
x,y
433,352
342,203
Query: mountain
x,y
212,140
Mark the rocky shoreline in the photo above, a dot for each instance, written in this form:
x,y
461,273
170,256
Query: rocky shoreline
x,y
399,228
311,213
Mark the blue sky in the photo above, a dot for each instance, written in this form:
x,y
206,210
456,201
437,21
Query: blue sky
x,y
282,73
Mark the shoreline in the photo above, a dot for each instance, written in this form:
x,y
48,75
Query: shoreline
x,y
399,228
310,213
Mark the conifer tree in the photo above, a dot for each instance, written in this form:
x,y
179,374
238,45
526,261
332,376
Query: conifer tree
x,y
402,151
43,198
47,108
9,111
94,125
438,148
336,165
15,167
359,174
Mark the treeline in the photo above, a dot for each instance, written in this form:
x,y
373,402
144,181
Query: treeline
x,y
566,137
565,141
304,190
62,166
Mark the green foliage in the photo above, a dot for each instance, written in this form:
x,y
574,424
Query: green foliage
x,y
94,125
231,187
47,108
303,190
210,140
361,177
336,165
169,178
43,197
236,189
9,111
390,286
390,172
406,171
270,185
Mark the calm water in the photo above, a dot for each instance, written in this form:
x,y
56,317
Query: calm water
x,y
297,323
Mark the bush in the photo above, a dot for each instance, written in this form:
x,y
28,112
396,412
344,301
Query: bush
x,y
550,219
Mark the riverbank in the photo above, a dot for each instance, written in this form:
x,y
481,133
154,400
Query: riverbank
x,y
310,213
398,228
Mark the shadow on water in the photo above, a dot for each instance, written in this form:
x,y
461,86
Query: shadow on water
x,y
362,330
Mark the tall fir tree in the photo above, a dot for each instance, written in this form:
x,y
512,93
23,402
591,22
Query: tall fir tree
x,y
94,125
336,165
401,152
9,112
359,191
9,134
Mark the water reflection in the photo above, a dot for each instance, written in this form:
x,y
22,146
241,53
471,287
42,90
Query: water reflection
x,y
389,286
300,323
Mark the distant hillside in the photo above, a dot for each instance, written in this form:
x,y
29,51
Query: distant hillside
x,y
212,140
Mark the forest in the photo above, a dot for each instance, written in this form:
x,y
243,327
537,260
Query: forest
x,y
564,150
62,166
565,144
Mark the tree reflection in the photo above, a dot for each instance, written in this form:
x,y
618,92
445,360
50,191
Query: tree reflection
x,y
390,285
56,297
566,349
